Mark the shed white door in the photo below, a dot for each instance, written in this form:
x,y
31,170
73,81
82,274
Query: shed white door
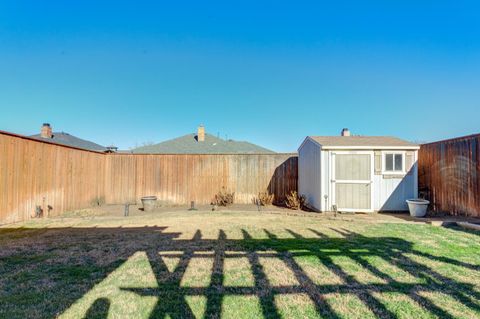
x,y
352,181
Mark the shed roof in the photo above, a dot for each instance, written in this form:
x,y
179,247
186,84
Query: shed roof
x,y
363,142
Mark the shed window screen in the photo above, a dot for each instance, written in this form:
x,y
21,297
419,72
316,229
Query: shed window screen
x,y
394,162
352,167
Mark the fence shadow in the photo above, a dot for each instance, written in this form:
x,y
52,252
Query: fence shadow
x,y
74,260
99,309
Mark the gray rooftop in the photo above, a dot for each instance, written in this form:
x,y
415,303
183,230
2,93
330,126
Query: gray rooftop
x,y
362,141
70,140
188,144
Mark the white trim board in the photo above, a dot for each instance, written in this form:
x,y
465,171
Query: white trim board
x,y
370,147
308,138
395,173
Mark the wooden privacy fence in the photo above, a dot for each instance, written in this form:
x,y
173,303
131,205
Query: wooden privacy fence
x,y
449,175
179,179
56,178
60,178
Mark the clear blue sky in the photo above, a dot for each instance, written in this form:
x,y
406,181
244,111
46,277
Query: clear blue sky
x,y
268,72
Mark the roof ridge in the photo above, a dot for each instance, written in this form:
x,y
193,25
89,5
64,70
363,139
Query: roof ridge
x,y
362,141
187,144
68,139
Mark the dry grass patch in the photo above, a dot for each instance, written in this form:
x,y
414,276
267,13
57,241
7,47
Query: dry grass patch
x,y
319,273
236,307
450,305
435,269
390,270
403,306
296,306
348,305
238,272
197,305
350,268
171,259
277,272
199,272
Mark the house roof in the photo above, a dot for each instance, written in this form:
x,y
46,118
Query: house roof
x,y
70,140
188,144
363,142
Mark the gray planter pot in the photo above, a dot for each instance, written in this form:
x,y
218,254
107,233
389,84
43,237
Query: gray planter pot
x,y
149,203
417,207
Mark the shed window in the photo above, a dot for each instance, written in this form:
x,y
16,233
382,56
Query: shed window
x,y
393,163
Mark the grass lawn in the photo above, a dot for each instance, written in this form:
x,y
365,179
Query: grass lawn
x,y
237,265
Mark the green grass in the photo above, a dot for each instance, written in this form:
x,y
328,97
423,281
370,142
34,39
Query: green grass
x,y
237,265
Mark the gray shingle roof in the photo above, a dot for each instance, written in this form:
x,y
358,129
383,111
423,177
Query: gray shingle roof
x,y
188,144
361,141
70,140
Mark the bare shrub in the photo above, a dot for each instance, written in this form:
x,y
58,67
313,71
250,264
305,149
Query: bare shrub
x,y
97,201
264,199
223,198
295,201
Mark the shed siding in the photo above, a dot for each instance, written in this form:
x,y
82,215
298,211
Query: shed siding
x,y
391,192
325,199
309,173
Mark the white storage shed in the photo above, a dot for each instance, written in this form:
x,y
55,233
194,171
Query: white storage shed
x,y
357,173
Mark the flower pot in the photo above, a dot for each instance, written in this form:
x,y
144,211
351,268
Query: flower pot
x,y
149,203
417,207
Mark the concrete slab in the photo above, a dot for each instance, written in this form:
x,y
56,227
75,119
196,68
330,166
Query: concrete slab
x,y
469,225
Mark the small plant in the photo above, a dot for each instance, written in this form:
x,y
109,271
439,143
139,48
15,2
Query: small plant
x,y
38,212
264,199
223,198
97,201
295,201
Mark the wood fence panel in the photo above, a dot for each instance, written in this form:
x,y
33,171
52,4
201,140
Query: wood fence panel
x,y
449,175
120,179
180,178
57,178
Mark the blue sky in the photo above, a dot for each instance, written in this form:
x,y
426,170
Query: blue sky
x,y
268,72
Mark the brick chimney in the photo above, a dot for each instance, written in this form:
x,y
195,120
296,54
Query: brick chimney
x,y
201,133
46,131
345,132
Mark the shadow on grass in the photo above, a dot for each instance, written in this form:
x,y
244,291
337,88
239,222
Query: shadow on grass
x,y
53,268
99,309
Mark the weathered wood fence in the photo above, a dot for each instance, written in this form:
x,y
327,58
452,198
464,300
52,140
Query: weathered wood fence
x,y
449,175
179,179
59,178
56,178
